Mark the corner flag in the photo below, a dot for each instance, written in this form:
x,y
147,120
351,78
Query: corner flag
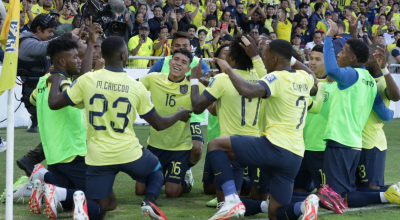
x,y
9,38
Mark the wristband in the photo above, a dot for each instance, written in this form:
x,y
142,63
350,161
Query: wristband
x,y
256,57
292,61
385,71
194,82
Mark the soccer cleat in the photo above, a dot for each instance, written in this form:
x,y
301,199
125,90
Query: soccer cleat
x,y
150,209
212,202
189,180
80,210
392,194
338,198
3,145
229,210
219,205
328,202
35,172
19,188
311,208
51,201
36,200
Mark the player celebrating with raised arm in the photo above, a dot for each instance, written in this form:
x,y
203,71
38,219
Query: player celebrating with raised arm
x,y
172,146
280,151
355,96
111,99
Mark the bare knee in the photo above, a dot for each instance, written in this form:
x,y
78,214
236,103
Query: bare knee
x,y
140,189
209,188
273,208
173,190
112,202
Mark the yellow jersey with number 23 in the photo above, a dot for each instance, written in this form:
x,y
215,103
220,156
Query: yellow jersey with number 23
x,y
111,99
288,98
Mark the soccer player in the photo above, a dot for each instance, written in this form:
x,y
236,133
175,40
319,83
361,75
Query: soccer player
x,y
314,129
371,167
172,146
279,152
181,40
355,96
111,99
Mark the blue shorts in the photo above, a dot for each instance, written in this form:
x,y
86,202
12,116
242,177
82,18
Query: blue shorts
x,y
197,133
174,163
340,165
280,164
254,175
371,168
311,171
70,175
100,179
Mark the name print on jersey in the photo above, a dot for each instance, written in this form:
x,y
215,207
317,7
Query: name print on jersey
x,y
112,86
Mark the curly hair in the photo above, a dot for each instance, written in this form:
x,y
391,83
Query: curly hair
x,y
238,54
61,44
111,46
360,49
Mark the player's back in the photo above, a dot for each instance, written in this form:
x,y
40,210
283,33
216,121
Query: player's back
x,y
236,114
286,108
111,100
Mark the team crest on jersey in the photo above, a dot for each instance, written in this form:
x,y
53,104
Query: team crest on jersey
x,y
270,78
211,82
183,89
12,37
326,96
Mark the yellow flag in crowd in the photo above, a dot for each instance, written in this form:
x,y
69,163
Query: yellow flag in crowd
x,y
9,37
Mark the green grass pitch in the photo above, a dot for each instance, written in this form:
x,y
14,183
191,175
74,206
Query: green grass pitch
x,y
192,205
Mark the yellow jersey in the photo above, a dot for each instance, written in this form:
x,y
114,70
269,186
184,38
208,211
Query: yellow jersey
x,y
164,50
36,9
111,99
66,19
288,98
342,3
198,19
167,97
322,26
236,114
373,134
209,36
210,48
284,29
396,17
145,50
391,46
375,28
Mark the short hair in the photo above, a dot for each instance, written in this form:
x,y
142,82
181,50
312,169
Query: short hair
x,y
363,13
162,27
179,34
360,49
340,24
348,8
335,13
61,44
202,30
395,3
382,15
273,33
318,48
191,26
285,1
281,47
238,54
184,52
157,6
317,6
365,3
373,48
303,5
111,46
239,4
317,32
354,1
303,18
44,21
298,54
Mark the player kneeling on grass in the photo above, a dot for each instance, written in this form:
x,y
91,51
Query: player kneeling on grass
x,y
111,99
172,146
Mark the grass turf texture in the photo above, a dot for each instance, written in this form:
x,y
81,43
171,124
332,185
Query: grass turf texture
x,y
188,206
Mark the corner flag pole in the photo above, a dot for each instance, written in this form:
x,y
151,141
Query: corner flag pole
x,y
10,155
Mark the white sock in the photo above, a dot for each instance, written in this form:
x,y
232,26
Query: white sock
x,y
61,193
28,191
232,198
303,207
264,206
41,173
383,198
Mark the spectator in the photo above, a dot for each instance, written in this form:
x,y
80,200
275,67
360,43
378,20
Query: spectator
x,y
233,28
288,6
379,39
137,46
157,21
396,38
323,24
231,7
47,6
216,34
372,10
306,33
73,6
283,25
66,28
225,18
143,9
25,11
337,10
212,9
385,4
206,46
303,9
254,33
240,15
316,17
56,15
210,24
129,7
162,45
341,38
182,26
150,4
380,26
273,35
226,39
296,40
194,41
363,7
326,5
394,57
310,45
255,21
354,6
389,36
335,16
139,20
347,12
381,11
366,26
195,12
395,14
167,7
270,17
66,17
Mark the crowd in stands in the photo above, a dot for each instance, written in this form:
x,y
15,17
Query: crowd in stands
x,y
210,23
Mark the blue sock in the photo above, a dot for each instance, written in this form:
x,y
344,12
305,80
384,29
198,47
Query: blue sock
x,y
69,201
246,184
220,163
95,212
154,183
288,212
298,199
361,199
252,206
297,208
49,178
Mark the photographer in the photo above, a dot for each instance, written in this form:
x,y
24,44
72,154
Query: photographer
x,y
141,45
32,60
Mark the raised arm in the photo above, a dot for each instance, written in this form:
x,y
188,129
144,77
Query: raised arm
x,y
199,102
94,31
392,90
292,10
